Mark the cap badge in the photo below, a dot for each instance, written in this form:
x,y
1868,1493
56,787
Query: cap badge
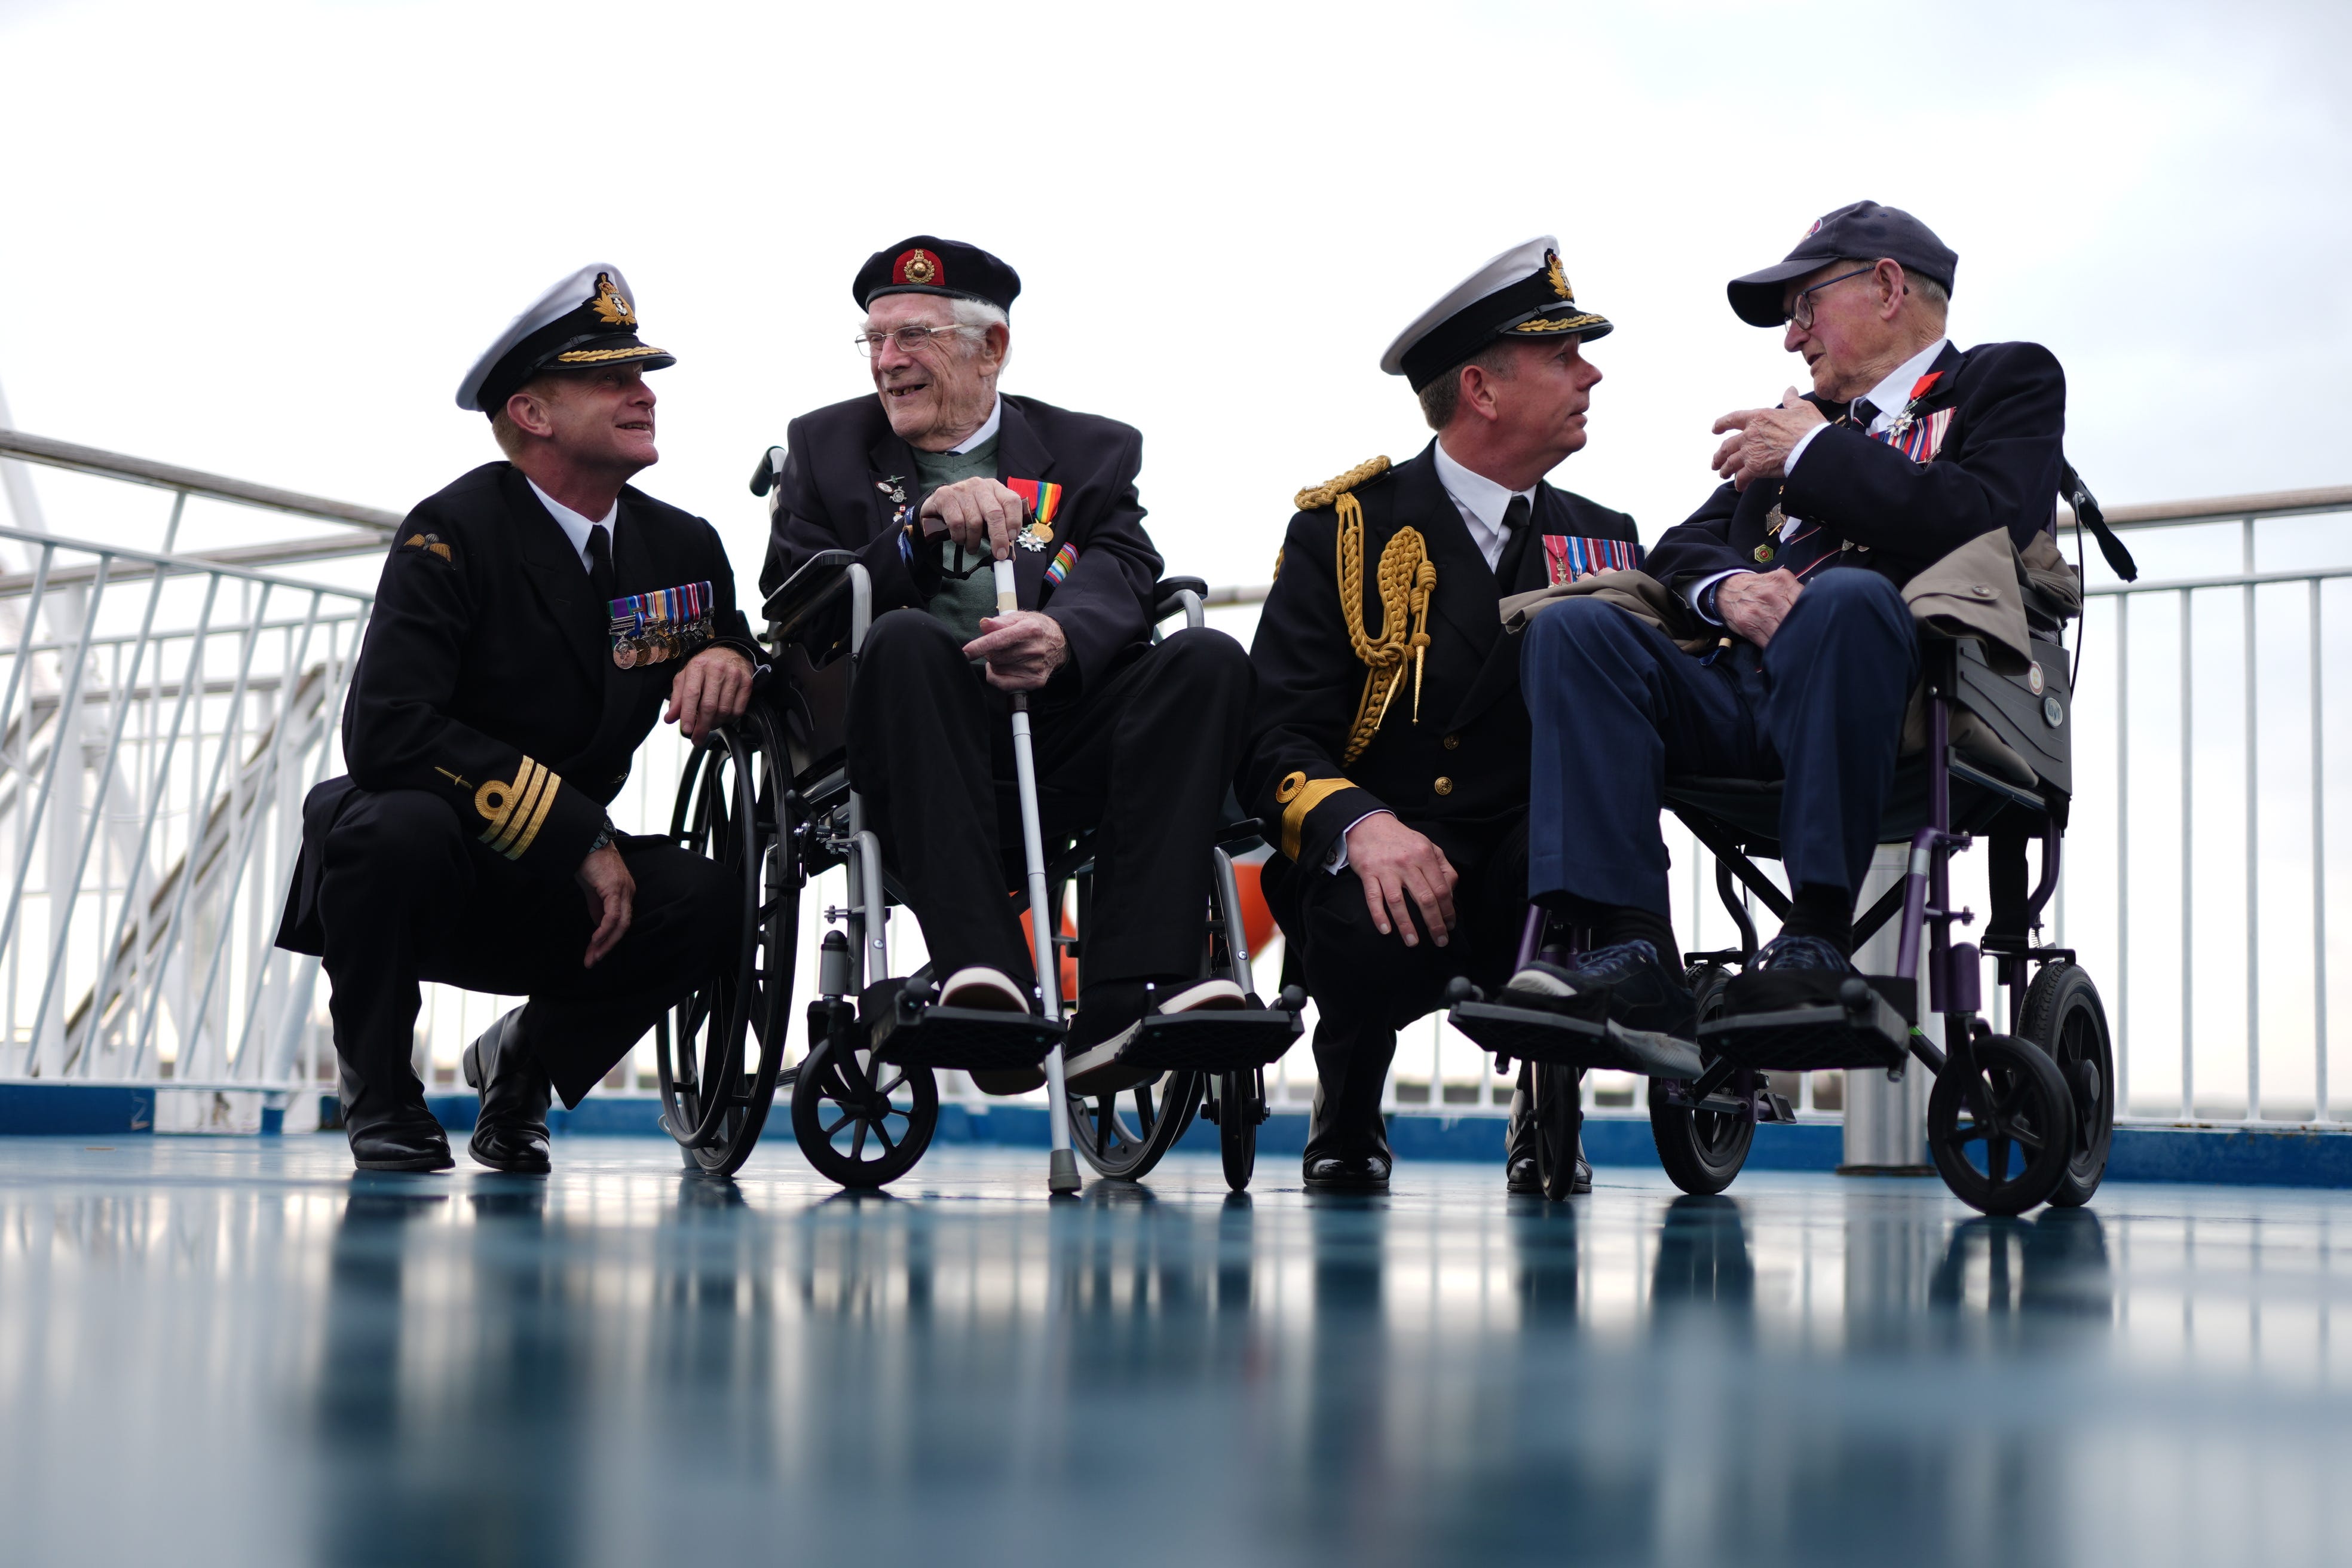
x,y
1815,229
920,267
610,309
1558,278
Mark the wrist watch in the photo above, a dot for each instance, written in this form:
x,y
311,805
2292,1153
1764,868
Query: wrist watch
x,y
604,840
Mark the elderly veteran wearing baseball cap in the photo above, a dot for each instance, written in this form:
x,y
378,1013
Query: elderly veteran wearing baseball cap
x,y
532,622
930,479
1906,447
1389,741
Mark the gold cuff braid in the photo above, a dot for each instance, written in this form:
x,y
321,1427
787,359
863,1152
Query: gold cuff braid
x,y
1297,797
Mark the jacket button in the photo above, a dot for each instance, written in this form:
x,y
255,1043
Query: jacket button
x,y
1444,785
1451,741
1981,590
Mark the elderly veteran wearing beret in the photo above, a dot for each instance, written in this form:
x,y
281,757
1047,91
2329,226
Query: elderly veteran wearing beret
x,y
532,620
1906,447
1389,741
931,480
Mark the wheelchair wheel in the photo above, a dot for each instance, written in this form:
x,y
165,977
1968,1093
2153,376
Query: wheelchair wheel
x,y
1559,1118
2001,1131
717,1058
1702,1151
2064,1017
1125,1142
862,1123
1241,1096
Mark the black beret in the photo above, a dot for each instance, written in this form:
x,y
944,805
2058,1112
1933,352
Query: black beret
x,y
929,265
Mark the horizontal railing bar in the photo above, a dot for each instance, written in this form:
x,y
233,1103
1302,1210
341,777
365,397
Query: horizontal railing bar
x,y
319,549
179,563
2227,509
143,692
2234,580
190,482
179,634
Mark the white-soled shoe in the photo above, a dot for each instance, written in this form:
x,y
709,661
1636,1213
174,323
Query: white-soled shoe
x,y
1097,1069
988,990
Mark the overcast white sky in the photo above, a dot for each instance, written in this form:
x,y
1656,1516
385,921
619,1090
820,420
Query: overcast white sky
x,y
266,239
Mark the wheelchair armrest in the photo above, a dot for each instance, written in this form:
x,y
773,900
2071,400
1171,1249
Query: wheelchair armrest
x,y
1175,595
821,578
772,462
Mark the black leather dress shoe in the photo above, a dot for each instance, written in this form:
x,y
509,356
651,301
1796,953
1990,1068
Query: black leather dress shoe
x,y
1520,1178
1347,1173
511,1129
401,1143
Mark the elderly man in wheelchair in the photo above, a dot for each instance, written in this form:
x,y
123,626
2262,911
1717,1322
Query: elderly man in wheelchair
x,y
949,564
1875,577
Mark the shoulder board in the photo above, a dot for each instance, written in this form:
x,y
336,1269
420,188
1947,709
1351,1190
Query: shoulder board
x,y
1317,497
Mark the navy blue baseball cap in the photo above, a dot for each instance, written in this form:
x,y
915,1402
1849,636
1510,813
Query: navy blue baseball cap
x,y
1861,230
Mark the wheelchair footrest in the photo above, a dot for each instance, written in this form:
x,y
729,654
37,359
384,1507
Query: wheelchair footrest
x,y
962,1038
1810,1020
1558,1039
1225,1041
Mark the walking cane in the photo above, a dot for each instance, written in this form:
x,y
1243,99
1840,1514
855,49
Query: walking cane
x,y
1062,1171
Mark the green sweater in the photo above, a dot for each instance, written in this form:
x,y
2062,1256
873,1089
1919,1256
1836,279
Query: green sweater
x,y
961,602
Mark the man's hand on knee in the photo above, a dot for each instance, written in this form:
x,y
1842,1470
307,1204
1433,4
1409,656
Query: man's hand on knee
x,y
1023,649
1394,863
612,893
713,688
1754,604
981,514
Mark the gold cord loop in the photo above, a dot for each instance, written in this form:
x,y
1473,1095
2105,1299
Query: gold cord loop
x,y
1406,581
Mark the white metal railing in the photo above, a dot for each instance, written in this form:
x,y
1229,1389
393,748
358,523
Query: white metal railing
x,y
163,711
164,707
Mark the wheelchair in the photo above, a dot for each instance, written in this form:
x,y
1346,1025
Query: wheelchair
x,y
769,799
2016,1119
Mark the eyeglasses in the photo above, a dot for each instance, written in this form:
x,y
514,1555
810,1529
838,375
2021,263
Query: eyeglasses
x,y
1803,314
910,339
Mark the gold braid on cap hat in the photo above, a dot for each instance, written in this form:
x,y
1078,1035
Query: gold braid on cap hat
x,y
1407,580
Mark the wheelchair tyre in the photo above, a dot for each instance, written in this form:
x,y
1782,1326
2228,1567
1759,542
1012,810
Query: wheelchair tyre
x,y
1702,1151
1559,1118
719,1053
1241,1096
2064,1016
1125,1142
862,1123
2001,1128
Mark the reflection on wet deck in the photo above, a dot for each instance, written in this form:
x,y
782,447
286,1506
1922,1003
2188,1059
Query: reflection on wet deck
x,y
224,1351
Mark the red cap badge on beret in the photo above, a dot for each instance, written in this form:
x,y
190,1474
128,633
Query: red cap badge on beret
x,y
920,267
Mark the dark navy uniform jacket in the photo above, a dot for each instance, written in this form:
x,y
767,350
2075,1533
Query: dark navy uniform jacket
x,y
1998,467
1466,761
487,678
842,461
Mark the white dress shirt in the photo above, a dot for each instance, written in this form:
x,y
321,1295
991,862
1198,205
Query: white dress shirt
x,y
575,527
1890,397
1481,503
987,432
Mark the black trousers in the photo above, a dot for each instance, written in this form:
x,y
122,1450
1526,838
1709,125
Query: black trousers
x,y
408,895
1367,986
1144,758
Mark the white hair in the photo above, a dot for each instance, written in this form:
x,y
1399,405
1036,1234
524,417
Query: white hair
x,y
978,315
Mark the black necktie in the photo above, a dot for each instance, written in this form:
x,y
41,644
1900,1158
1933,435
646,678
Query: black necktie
x,y
599,562
1863,414
1515,543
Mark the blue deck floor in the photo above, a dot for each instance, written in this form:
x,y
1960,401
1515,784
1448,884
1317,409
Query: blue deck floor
x,y
235,1352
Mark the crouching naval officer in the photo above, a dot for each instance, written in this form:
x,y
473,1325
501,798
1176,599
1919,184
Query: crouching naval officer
x,y
1388,739
930,482
530,622
1906,449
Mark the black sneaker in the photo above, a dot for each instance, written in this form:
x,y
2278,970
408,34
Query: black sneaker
x,y
1109,1019
1814,952
1630,984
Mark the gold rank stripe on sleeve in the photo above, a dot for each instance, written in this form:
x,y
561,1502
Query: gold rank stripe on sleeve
x,y
515,810
1298,795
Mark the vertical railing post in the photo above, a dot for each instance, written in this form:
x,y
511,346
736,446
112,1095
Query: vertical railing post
x,y
2188,864
2253,856
2123,853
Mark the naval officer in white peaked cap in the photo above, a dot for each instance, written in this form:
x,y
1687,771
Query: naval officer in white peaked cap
x,y
532,621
